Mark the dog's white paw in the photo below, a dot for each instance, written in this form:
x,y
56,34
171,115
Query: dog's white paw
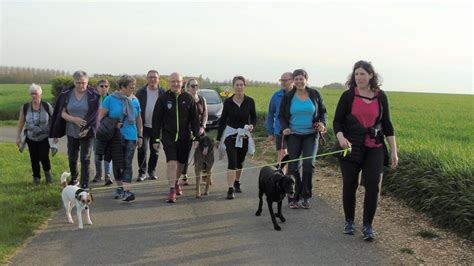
x,y
70,221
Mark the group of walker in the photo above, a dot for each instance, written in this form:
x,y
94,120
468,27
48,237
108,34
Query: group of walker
x,y
176,119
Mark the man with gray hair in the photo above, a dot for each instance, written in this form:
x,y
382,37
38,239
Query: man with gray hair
x,y
147,96
75,114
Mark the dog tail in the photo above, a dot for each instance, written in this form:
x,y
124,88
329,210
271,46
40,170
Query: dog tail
x,y
283,162
63,178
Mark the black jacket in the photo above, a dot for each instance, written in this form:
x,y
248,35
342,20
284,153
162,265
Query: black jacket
x,y
314,95
164,117
344,109
142,97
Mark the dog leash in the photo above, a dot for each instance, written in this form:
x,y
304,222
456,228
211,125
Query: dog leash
x,y
343,151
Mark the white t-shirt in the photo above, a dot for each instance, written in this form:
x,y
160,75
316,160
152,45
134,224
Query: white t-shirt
x,y
151,97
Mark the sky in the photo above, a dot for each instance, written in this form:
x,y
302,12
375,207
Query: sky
x,y
415,46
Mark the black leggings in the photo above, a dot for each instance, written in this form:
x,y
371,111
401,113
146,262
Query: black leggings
x,y
235,156
372,169
39,152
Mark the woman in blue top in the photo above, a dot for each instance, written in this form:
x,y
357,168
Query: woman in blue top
x,y
124,106
302,116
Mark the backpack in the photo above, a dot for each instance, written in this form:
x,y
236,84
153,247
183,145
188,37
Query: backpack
x,y
44,104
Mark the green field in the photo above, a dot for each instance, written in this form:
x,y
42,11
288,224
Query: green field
x,y
12,96
24,206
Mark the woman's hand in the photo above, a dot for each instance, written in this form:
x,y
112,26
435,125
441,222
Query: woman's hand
x,y
83,133
319,126
286,131
343,142
139,142
78,121
201,130
18,141
394,158
156,146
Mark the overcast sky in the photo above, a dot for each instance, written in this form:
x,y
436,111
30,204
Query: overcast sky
x,y
421,46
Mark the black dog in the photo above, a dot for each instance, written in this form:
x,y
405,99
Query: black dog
x,y
203,162
275,185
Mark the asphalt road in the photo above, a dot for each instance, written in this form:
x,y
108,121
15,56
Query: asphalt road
x,y
209,231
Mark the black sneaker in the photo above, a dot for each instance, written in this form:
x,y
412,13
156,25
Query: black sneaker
x,y
73,182
128,196
36,180
230,193
96,179
237,187
152,176
118,193
349,228
368,233
108,181
141,177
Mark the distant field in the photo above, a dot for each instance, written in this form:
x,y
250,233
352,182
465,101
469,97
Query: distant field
x,y
12,96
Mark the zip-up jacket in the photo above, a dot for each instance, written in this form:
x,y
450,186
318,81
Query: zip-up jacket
x,y
142,97
58,124
344,108
285,115
173,116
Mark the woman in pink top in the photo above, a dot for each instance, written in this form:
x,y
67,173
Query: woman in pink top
x,y
361,121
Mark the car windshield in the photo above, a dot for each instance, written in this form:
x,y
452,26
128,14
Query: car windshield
x,y
211,97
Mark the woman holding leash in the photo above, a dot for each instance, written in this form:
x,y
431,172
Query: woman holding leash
x,y
35,118
361,120
124,106
302,117
238,120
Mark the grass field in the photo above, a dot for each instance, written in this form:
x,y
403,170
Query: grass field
x,y
24,206
12,96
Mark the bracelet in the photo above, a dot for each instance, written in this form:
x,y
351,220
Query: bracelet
x,y
140,137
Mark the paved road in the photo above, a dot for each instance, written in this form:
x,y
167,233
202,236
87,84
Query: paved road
x,y
211,230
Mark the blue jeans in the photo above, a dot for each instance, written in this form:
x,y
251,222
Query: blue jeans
x,y
98,163
305,146
129,151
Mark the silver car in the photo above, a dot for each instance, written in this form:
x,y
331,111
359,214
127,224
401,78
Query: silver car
x,y
214,106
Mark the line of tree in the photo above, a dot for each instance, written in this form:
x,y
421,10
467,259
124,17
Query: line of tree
x,y
25,75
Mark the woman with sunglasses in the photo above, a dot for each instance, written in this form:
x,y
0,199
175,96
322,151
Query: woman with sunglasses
x,y
193,87
103,88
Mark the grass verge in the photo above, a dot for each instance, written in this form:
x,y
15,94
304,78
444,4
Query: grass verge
x,y
24,206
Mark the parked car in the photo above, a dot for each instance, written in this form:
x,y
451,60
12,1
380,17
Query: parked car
x,y
214,106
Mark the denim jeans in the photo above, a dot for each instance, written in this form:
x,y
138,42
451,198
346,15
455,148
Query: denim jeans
x,y
129,147
98,163
84,145
305,146
142,152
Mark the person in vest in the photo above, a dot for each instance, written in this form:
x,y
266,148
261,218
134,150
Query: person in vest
x,y
103,87
361,121
302,117
193,87
75,115
35,119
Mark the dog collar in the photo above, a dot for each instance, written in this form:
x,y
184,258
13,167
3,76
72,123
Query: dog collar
x,y
79,191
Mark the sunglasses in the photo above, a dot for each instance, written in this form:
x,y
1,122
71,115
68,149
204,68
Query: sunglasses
x,y
194,86
104,86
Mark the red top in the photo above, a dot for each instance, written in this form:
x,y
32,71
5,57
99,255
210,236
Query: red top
x,y
366,114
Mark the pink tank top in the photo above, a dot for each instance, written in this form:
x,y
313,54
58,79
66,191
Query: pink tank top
x,y
367,114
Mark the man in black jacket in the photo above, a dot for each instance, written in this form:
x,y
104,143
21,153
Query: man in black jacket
x,y
174,114
147,96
